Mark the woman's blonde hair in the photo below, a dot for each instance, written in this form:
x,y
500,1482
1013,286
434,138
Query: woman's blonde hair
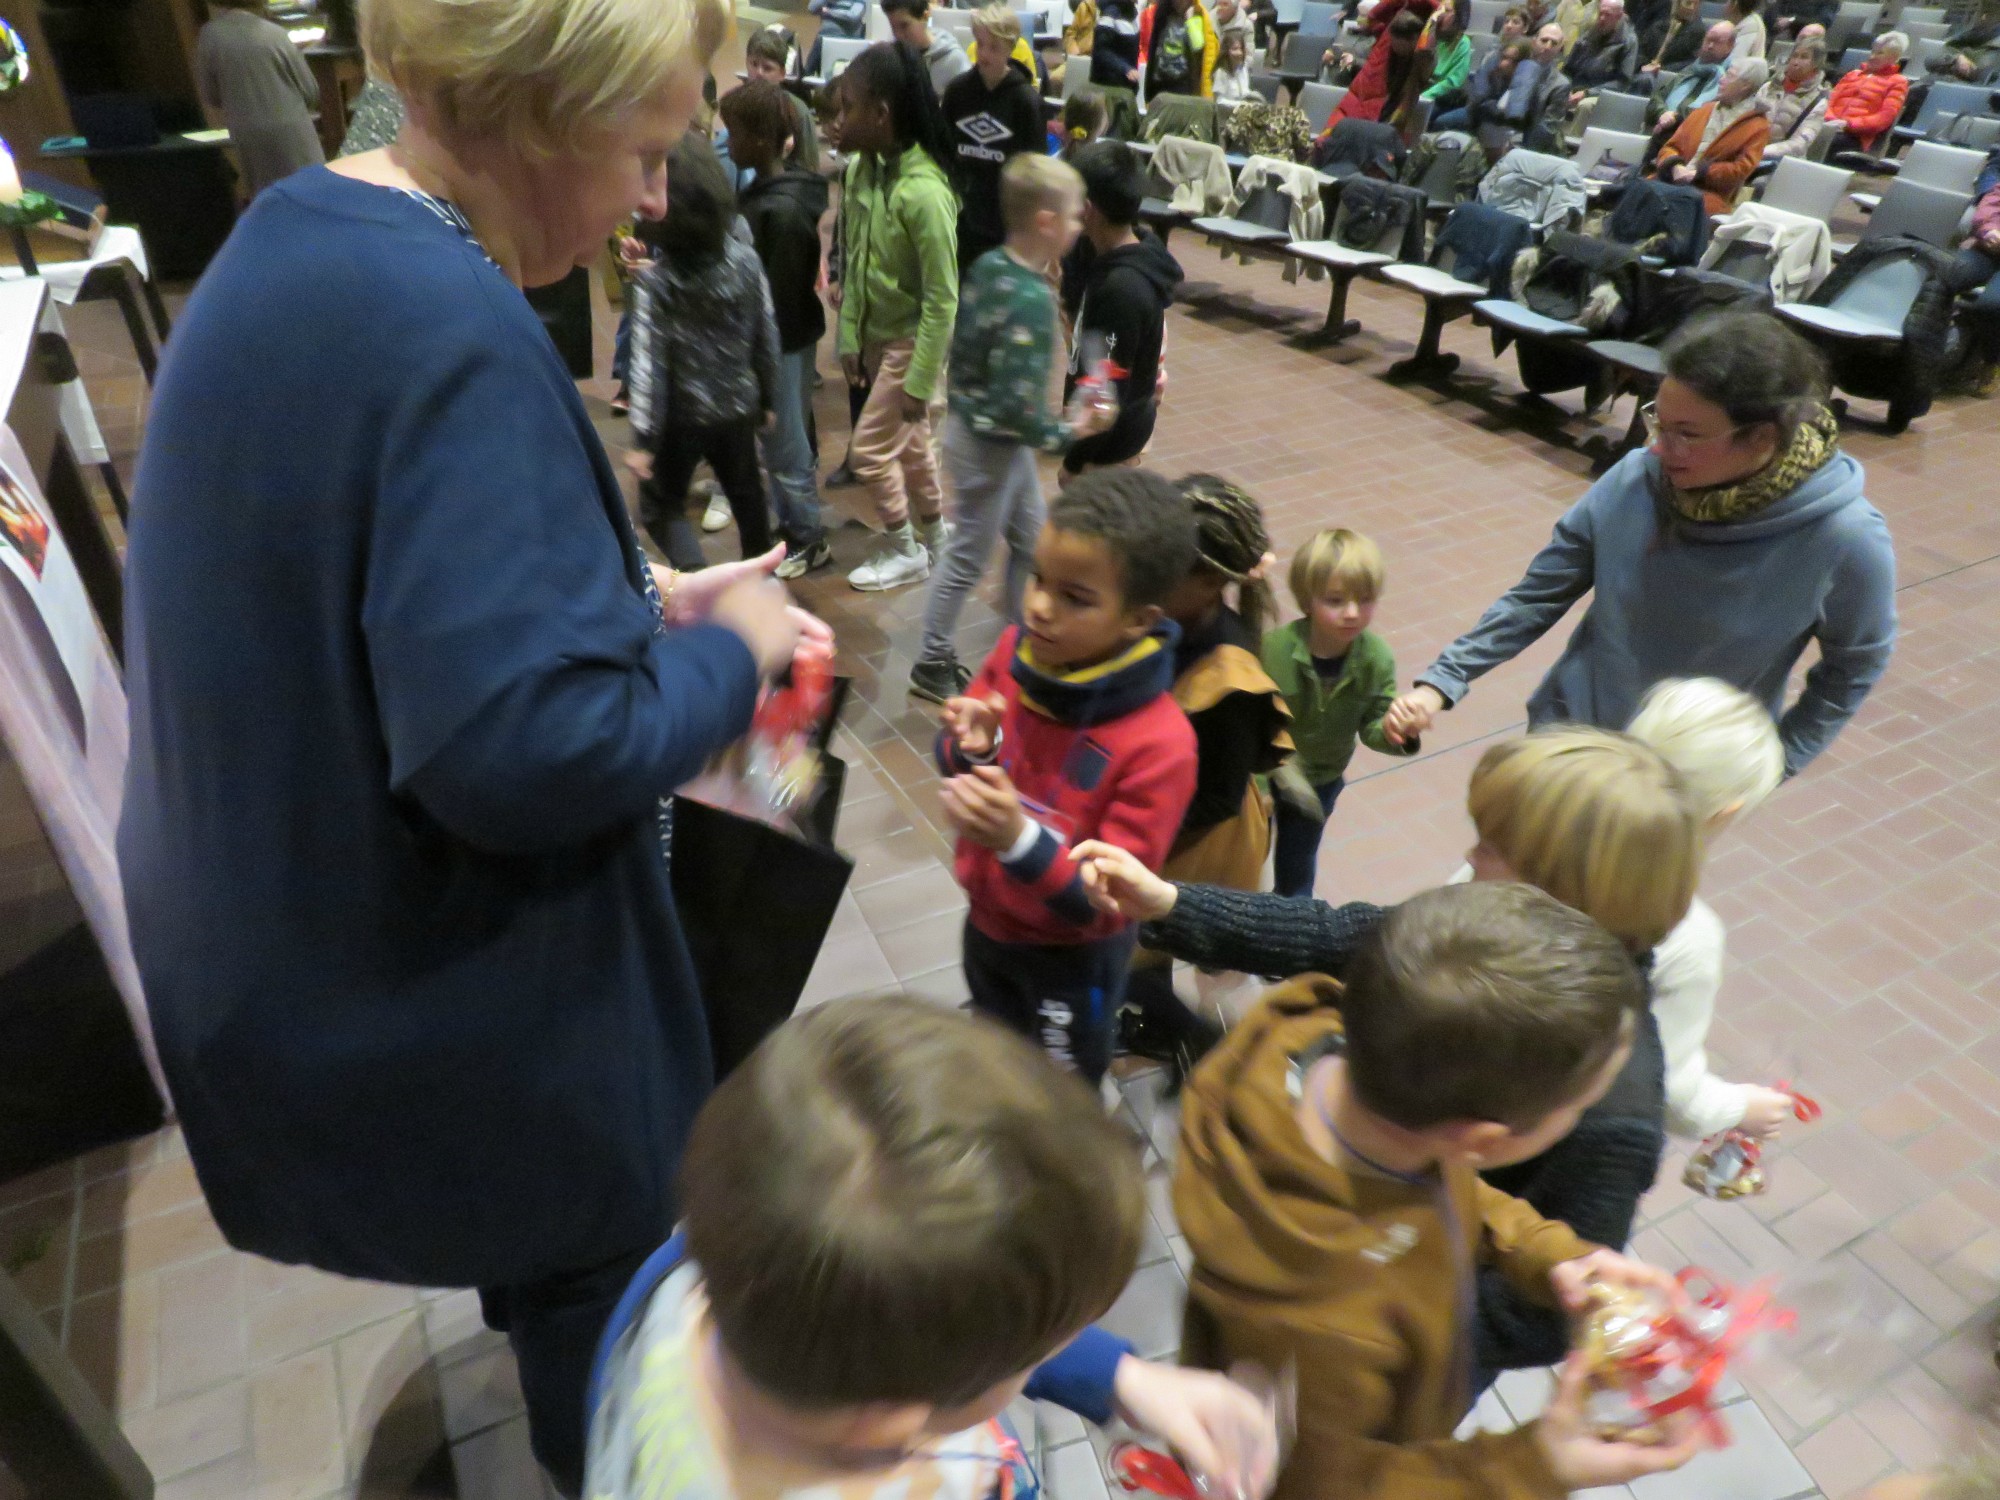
x,y
543,75
1719,738
1596,819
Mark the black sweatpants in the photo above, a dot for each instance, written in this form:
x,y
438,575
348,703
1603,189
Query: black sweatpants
x,y
1063,996
730,449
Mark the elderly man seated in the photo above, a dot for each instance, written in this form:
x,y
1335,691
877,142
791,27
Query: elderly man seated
x,y
1718,146
1701,80
1606,54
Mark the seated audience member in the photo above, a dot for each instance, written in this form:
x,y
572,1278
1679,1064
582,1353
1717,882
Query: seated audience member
x,y
1328,1187
847,19
1726,750
1550,106
1718,146
1575,17
1605,56
1870,98
1752,39
897,1220
1514,24
1701,80
1795,101
1451,55
910,23
1973,51
1500,93
1673,40
1977,271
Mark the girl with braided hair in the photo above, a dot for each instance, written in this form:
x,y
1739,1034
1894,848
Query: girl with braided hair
x,y
1240,724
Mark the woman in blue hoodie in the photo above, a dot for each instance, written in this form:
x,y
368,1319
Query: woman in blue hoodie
x,y
1736,536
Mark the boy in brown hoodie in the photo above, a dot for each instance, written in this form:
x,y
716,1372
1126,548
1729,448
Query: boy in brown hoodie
x,y
1329,1188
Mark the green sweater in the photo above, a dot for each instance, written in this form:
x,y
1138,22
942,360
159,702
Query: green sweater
x,y
1454,61
1003,353
1327,717
899,227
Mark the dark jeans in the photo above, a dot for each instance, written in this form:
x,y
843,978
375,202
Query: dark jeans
x,y
553,1326
1296,860
731,451
1979,270
1063,996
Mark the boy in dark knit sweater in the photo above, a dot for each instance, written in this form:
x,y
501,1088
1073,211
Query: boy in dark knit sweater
x,y
1068,733
1002,359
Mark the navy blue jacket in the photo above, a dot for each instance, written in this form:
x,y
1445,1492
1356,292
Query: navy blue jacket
x,y
400,721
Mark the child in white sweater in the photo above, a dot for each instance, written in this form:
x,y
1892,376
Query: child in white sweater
x,y
1726,749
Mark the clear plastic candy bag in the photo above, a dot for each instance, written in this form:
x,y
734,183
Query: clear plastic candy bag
x,y
1731,1164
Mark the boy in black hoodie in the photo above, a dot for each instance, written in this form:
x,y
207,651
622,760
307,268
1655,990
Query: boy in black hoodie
x,y
783,207
1117,284
994,112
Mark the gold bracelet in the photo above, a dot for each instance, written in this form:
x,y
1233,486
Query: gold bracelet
x,y
667,594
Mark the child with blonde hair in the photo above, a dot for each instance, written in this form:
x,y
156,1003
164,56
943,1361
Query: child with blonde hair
x,y
1729,756
1594,818
1339,678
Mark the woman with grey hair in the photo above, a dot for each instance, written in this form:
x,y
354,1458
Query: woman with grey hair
x,y
1718,146
1795,101
1869,100
406,699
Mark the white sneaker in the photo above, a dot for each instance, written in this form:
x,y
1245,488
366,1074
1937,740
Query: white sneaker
x,y
718,516
891,568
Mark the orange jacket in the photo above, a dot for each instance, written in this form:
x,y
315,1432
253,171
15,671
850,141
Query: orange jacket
x,y
1729,162
1867,101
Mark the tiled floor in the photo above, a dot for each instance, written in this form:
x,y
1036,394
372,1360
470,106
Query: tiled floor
x,y
1863,903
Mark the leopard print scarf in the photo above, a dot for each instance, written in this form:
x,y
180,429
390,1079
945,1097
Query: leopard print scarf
x,y
1811,446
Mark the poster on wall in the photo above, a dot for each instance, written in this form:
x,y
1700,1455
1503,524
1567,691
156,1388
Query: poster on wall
x,y
62,717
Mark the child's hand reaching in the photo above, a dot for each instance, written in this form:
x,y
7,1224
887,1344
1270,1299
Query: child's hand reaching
x,y
984,807
1222,1432
1765,1114
1572,1279
639,463
974,723
1581,1460
1411,714
1116,881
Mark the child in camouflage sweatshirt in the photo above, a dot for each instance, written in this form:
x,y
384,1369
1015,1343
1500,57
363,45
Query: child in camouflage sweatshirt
x,y
1003,361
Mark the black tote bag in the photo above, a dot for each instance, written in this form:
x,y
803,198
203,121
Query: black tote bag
x,y
755,902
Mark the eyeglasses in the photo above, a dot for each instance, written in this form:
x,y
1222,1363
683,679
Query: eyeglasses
x,y
1655,433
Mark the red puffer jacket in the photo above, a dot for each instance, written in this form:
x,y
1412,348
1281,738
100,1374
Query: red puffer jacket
x,y
1867,102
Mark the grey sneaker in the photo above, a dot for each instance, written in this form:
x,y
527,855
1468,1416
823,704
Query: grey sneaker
x,y
891,568
800,561
938,681
841,477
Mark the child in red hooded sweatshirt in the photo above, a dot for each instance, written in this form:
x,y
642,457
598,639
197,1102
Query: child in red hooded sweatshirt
x,y
1069,733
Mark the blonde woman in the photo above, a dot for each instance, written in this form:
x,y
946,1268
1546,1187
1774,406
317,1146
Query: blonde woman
x,y
1730,759
1595,819
406,698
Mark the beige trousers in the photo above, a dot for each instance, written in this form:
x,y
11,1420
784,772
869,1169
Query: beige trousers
x,y
897,459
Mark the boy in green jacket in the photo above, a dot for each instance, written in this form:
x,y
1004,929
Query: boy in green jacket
x,y
1339,678
1003,356
898,299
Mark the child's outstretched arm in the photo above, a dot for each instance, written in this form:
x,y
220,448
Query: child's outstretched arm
x,y
1257,932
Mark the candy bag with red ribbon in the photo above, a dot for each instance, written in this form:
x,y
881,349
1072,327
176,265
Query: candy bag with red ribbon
x,y
1652,1355
1730,1164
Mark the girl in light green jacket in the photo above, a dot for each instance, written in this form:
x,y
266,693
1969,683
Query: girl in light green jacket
x,y
899,299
